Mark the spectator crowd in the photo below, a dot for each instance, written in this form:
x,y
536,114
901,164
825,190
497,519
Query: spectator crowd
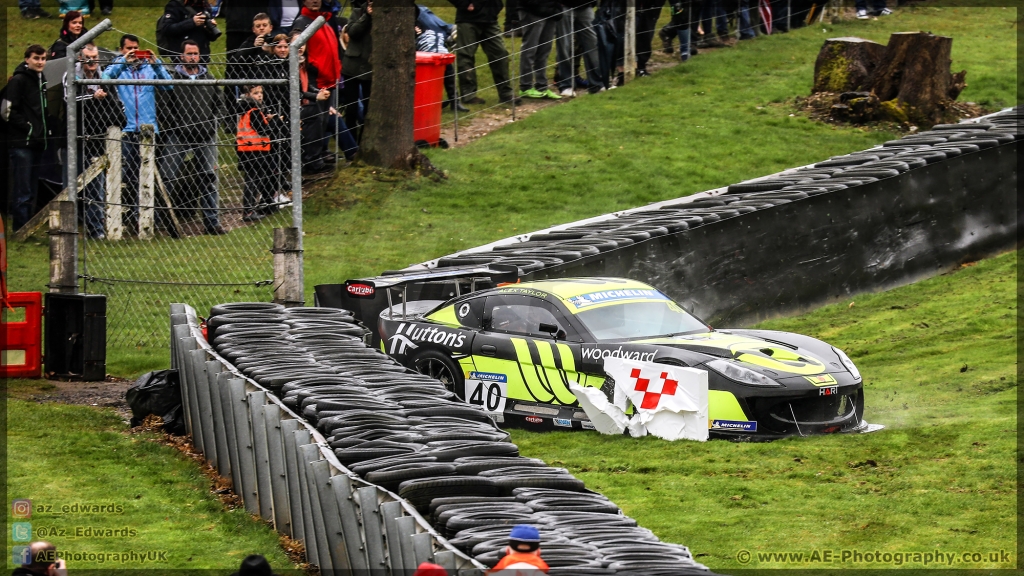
x,y
336,79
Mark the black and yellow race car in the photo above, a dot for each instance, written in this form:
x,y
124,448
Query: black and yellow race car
x,y
514,348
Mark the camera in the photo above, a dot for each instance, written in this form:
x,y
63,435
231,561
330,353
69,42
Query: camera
x,y
211,29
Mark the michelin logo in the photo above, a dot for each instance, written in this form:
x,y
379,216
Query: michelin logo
x,y
401,342
488,377
738,425
599,354
584,300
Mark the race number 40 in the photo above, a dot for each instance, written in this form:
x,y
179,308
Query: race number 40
x,y
489,395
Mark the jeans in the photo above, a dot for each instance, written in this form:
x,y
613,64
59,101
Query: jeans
x,y
713,9
538,34
746,26
581,21
25,174
176,147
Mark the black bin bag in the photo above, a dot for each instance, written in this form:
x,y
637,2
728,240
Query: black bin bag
x,y
157,393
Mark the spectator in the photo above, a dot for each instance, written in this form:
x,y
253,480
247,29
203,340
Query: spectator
x,y
427,21
647,14
680,25
878,8
251,52
712,17
283,13
315,107
31,10
323,44
476,22
240,15
254,565
780,16
577,25
97,109
747,30
512,19
538,19
522,555
139,104
190,125
428,569
273,65
256,130
358,74
42,558
25,110
71,30
106,6
80,6
186,20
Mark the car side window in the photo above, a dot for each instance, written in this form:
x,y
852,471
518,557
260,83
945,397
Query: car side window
x,y
521,315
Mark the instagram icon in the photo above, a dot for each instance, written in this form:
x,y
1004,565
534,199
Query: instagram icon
x,y
21,508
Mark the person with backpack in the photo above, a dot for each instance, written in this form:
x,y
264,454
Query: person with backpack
x,y
186,20
25,111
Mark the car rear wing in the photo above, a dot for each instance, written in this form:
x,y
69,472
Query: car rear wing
x,y
368,297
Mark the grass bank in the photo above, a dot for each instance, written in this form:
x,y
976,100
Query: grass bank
x,y
100,491
939,365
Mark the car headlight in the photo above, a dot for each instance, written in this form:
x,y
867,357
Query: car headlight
x,y
734,371
847,362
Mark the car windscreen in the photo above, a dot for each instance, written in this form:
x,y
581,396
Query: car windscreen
x,y
629,320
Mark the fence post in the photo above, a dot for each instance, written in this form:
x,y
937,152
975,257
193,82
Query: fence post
x,y
332,517
344,495
288,266
278,479
373,529
288,429
311,453
115,227
147,179
246,462
63,248
629,44
258,422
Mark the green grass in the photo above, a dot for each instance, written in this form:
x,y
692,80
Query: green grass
x,y
941,475
723,117
61,455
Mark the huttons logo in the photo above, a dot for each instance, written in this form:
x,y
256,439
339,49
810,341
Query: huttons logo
x,y
404,338
361,290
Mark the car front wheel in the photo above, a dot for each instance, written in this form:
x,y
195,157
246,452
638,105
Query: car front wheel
x,y
439,367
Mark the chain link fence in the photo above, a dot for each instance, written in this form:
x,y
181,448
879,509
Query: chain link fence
x,y
183,165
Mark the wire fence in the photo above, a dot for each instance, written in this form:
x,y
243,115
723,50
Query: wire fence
x,y
184,166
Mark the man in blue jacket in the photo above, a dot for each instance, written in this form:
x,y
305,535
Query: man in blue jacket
x,y
139,103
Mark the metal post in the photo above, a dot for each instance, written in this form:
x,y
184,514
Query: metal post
x,y
390,511
213,377
300,438
230,435
246,462
789,13
278,478
177,334
372,527
423,547
572,50
310,453
332,517
202,389
288,429
344,496
406,527
514,75
629,45
294,87
458,97
71,96
258,421
188,344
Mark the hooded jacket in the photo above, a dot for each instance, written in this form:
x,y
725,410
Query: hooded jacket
x,y
25,110
59,49
178,26
322,48
139,102
191,112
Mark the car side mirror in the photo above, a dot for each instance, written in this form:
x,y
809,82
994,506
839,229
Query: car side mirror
x,y
552,329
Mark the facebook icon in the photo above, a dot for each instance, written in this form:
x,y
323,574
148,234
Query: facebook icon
x,y
21,555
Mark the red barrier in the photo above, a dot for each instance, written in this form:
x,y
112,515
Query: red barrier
x,y
426,123
21,354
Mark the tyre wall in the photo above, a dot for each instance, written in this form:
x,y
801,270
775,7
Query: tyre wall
x,y
864,222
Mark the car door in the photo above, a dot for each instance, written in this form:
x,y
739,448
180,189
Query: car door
x,y
518,358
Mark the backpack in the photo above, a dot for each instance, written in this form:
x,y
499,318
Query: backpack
x,y
162,42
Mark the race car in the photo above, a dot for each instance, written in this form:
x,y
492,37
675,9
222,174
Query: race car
x,y
513,349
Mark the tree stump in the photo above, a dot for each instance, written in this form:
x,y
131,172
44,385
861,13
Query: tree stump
x,y
846,64
913,76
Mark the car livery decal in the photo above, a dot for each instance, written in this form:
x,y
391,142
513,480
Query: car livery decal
x,y
738,425
599,353
488,376
749,350
403,342
588,425
822,380
585,300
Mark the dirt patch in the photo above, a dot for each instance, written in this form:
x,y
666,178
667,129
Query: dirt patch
x,y
818,107
108,393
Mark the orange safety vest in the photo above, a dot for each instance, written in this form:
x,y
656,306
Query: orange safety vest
x,y
246,138
514,558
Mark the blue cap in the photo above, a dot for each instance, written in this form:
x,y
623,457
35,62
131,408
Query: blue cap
x,y
524,533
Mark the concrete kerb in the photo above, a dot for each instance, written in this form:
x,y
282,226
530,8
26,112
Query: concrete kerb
x,y
237,383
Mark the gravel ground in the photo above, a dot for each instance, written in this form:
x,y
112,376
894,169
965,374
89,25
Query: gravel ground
x,y
109,393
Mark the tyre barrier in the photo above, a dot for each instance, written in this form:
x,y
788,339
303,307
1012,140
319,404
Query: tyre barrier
x,y
376,468
871,220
